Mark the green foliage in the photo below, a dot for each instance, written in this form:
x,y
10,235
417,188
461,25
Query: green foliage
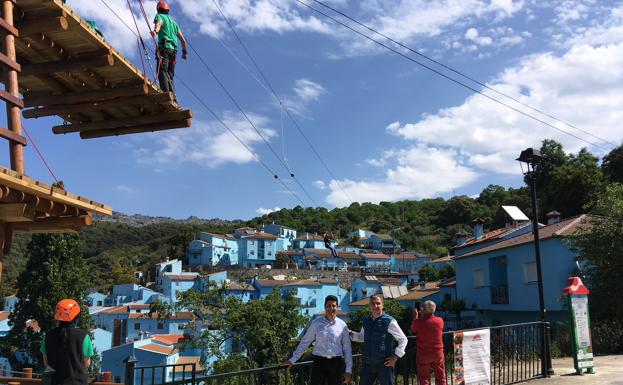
x,y
601,246
612,165
260,331
447,271
55,270
428,274
392,307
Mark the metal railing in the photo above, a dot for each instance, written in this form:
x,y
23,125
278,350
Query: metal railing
x,y
516,352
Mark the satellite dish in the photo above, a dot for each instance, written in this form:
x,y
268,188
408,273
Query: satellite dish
x,y
515,213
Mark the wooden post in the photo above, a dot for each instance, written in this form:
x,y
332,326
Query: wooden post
x,y
107,376
27,373
16,150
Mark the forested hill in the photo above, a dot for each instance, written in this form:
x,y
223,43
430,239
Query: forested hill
x,y
568,183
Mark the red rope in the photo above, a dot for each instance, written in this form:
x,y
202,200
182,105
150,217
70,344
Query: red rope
x,y
40,154
153,39
138,34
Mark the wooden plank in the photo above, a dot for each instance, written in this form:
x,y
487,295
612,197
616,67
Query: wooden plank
x,y
46,99
123,122
33,27
149,99
12,136
11,179
136,129
7,97
12,64
53,224
9,28
67,65
17,212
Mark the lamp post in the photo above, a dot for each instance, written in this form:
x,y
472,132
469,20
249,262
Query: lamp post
x,y
532,158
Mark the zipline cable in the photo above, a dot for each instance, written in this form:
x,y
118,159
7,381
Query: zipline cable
x,y
452,79
272,173
272,91
482,84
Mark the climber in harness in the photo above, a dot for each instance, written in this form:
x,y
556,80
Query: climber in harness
x,y
327,243
168,34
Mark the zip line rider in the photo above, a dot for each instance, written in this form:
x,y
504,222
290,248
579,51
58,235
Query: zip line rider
x,y
66,348
168,32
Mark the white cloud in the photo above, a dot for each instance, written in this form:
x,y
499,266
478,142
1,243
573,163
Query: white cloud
x,y
125,189
305,92
473,35
207,144
321,185
263,211
583,86
113,29
420,172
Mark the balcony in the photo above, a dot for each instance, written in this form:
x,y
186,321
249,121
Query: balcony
x,y
499,294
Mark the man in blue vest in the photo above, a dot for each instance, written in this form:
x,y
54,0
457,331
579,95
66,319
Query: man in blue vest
x,y
378,334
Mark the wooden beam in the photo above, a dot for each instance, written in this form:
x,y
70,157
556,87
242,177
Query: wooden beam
x,y
29,186
46,99
32,27
53,224
10,135
9,28
7,97
149,99
136,129
68,65
17,212
123,122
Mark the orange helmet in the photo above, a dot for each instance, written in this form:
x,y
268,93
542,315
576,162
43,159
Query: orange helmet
x,y
67,310
162,5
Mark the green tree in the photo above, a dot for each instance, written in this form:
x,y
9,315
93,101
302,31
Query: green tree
x,y
428,274
447,271
600,247
260,332
612,165
55,270
454,306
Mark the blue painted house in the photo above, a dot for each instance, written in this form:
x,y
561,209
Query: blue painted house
x,y
10,302
408,262
257,250
173,284
213,250
285,235
383,243
500,281
102,339
308,241
376,261
96,299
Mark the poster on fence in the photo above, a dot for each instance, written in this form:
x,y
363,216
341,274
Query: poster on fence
x,y
472,357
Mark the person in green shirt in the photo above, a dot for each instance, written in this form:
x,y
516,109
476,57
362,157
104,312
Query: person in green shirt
x,y
67,349
168,34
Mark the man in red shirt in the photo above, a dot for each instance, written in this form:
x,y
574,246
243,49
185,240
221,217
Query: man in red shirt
x,y
428,328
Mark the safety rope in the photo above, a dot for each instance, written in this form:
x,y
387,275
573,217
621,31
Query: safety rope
x,y
45,162
158,57
139,39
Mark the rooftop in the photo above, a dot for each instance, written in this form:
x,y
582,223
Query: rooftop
x,y
558,230
155,348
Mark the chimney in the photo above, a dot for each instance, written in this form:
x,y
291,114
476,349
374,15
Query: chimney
x,y
422,285
478,228
461,237
553,217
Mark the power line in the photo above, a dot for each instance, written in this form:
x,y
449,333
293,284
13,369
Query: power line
x,y
484,85
272,173
235,102
272,91
450,78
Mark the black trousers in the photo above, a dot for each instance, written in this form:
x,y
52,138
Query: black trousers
x,y
326,371
166,69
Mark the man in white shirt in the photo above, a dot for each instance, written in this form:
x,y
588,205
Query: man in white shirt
x,y
378,334
331,347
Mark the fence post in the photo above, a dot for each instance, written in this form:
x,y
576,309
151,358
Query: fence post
x,y
548,340
27,373
130,363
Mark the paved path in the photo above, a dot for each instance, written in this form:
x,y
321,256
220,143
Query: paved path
x,y
608,371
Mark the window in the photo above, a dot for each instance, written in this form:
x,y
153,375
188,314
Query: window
x,y
529,272
252,252
479,278
160,325
137,326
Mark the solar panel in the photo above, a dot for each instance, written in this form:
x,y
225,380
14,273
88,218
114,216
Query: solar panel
x,y
515,213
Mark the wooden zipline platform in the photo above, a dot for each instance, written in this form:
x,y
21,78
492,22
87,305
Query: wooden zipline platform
x,y
67,69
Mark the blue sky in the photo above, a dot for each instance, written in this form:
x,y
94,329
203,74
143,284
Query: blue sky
x,y
388,129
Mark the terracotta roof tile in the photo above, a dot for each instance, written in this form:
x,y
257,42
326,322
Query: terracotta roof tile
x,y
187,360
560,229
182,277
270,282
415,294
261,236
375,256
169,339
4,315
167,350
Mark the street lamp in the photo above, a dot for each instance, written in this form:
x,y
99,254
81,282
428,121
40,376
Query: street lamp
x,y
532,158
